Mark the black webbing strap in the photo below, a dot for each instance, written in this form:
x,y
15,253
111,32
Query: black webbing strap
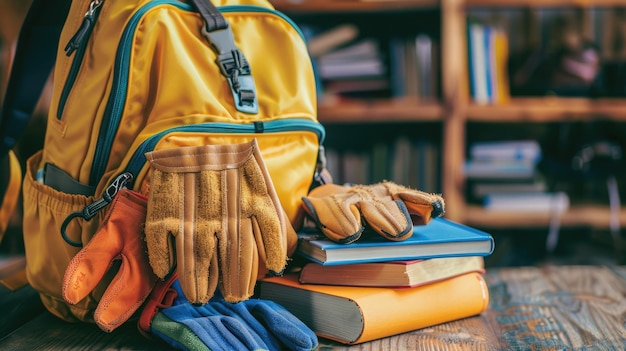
x,y
34,58
212,16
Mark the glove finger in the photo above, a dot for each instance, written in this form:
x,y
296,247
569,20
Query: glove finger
x,y
215,328
332,207
283,325
339,220
390,219
419,203
259,201
198,279
162,220
89,265
134,281
227,333
176,334
197,262
240,262
241,311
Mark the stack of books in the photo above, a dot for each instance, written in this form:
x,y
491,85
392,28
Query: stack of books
x,y
504,176
374,288
488,54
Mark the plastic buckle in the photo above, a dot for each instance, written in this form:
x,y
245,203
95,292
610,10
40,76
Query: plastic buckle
x,y
234,66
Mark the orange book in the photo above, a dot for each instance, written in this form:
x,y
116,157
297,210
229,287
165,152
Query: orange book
x,y
353,315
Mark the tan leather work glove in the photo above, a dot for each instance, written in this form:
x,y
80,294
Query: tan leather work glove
x,y
119,238
213,214
389,209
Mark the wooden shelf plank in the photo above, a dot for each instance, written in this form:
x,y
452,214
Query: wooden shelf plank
x,y
544,3
593,216
333,6
392,110
549,109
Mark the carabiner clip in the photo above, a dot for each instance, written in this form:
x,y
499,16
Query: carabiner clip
x,y
64,227
91,210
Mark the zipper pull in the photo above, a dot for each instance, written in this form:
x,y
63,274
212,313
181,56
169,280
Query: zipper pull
x,y
92,209
85,27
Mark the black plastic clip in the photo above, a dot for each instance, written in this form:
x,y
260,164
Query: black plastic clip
x,y
92,209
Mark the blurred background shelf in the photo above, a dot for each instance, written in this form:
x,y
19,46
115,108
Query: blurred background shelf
x,y
585,216
388,110
550,109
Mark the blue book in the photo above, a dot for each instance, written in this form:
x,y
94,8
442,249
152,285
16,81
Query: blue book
x,y
439,238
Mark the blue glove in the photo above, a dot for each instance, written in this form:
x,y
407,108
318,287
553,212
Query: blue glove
x,y
252,324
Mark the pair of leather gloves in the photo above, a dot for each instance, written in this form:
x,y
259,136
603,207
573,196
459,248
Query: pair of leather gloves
x,y
166,313
344,212
212,216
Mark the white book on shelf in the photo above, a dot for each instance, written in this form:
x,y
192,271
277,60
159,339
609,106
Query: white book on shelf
x,y
506,150
361,50
478,59
368,68
482,189
500,169
545,202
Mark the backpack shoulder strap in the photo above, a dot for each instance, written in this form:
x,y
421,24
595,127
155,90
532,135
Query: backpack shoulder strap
x,y
34,58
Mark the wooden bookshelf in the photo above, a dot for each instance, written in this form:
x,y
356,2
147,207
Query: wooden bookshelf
x,y
543,3
351,6
392,110
550,109
594,216
455,109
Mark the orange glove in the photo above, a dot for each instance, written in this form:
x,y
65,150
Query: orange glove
x,y
120,237
389,209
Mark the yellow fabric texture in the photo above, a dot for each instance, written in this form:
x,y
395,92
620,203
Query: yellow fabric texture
x,y
219,204
387,208
166,88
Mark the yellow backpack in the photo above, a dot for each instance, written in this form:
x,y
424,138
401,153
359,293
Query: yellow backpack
x,y
136,76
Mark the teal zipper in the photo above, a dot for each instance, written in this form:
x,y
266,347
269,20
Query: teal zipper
x,y
138,159
115,105
77,46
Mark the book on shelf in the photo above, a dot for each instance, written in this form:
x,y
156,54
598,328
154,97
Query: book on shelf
x,y
339,70
528,150
364,49
424,57
413,66
488,54
500,169
439,238
354,85
476,62
499,68
353,315
331,39
480,189
545,202
407,273
356,60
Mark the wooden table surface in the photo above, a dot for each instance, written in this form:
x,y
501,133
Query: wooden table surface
x,y
531,308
